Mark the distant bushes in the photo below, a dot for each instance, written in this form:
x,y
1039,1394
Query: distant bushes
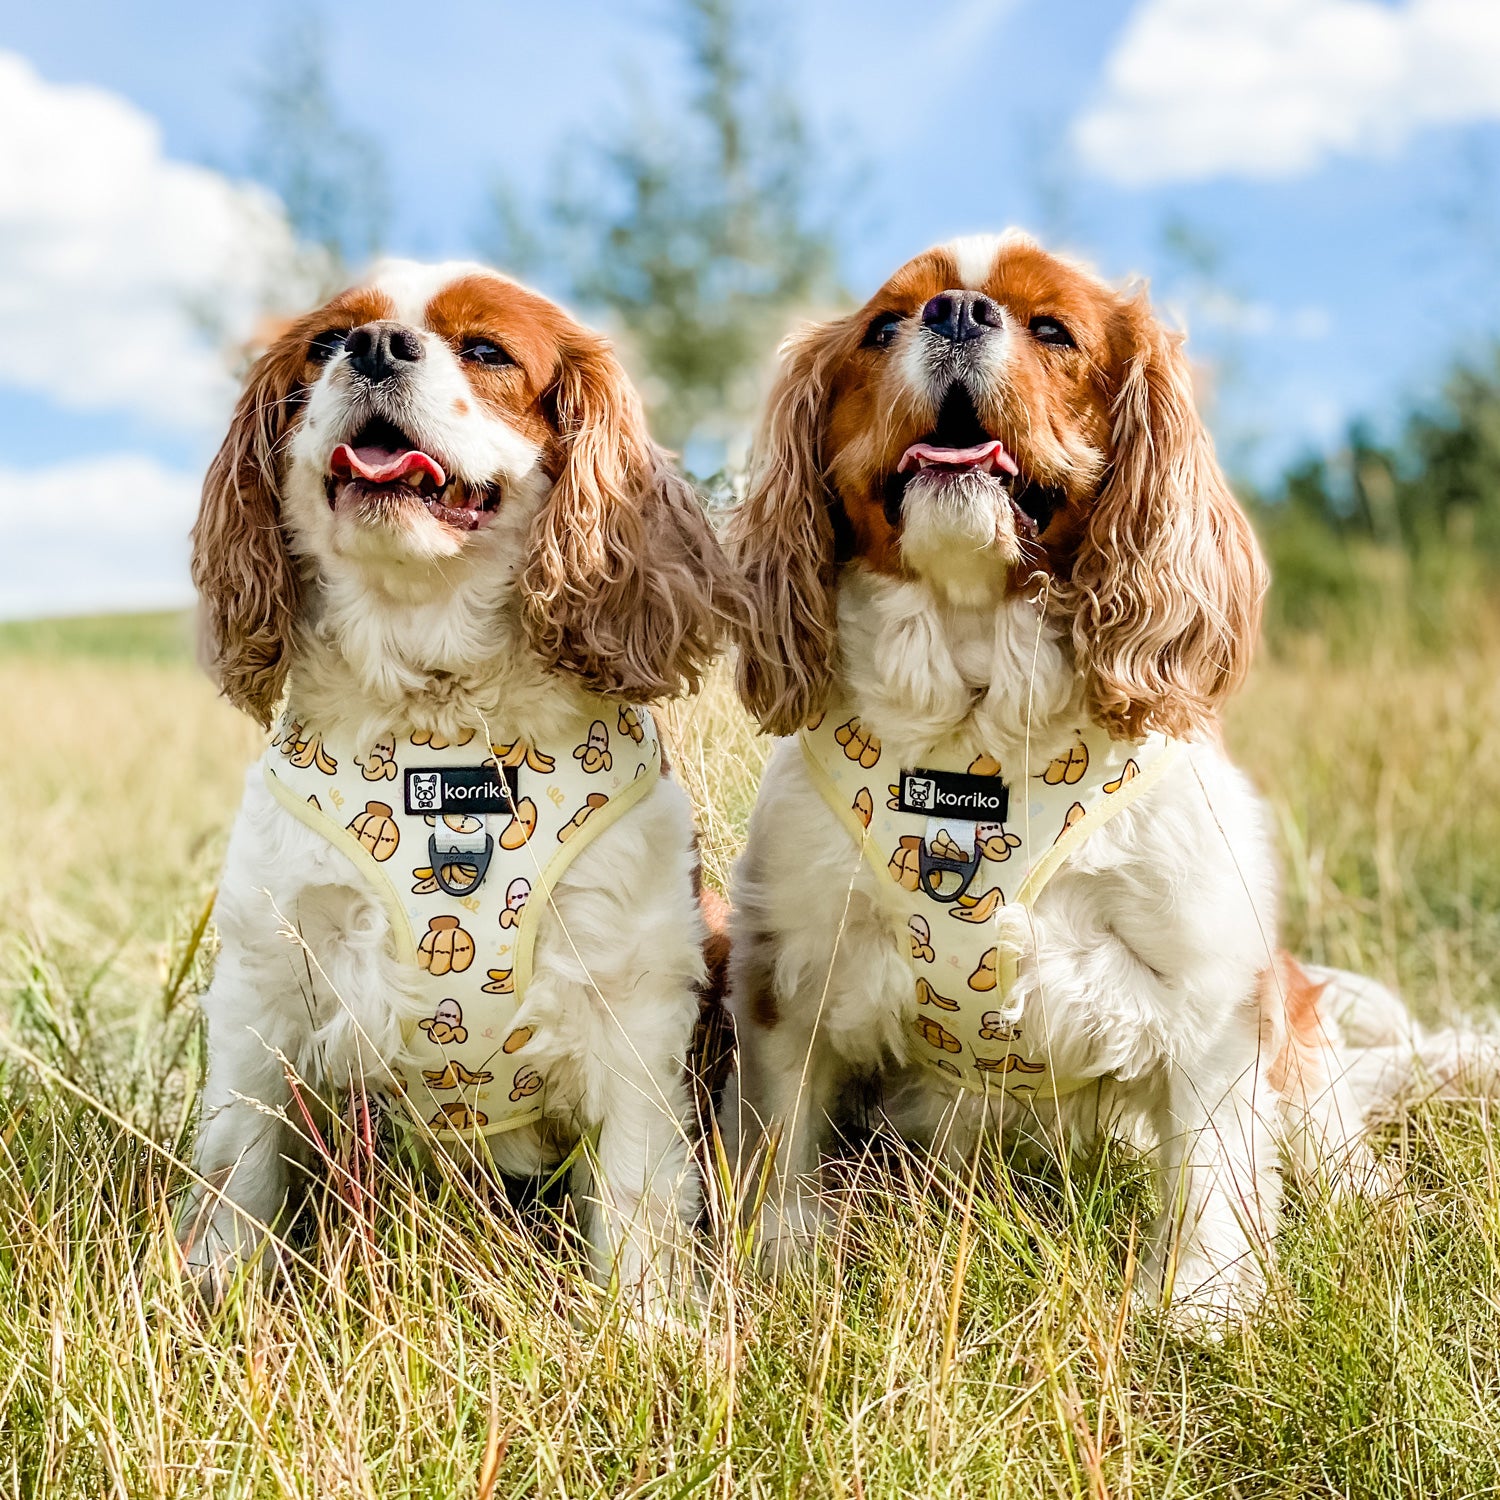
x,y
1399,541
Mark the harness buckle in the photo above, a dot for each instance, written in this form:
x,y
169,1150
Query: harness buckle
x,y
460,857
932,867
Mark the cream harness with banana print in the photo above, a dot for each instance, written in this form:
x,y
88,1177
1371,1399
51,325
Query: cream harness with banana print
x,y
463,843
952,840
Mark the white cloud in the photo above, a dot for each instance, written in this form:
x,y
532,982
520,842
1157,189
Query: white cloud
x,y
1272,88
93,536
1214,307
110,255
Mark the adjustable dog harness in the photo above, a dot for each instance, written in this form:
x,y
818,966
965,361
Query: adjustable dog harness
x,y
463,843
951,841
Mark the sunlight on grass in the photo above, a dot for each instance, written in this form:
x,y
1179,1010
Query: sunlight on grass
x,y
956,1338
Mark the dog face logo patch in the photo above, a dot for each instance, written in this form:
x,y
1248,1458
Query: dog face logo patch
x,y
918,793
424,792
953,794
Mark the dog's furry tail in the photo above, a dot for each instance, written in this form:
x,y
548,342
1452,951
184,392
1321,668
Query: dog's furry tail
x,y
1388,1060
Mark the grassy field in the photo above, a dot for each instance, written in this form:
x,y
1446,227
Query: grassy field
x,y
960,1339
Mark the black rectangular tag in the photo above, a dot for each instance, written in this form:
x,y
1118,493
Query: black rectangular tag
x,y
954,794
452,789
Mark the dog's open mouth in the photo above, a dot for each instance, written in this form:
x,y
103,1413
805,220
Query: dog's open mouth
x,y
381,464
959,446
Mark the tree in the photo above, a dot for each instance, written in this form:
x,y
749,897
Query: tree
x,y
329,175
693,233
1405,531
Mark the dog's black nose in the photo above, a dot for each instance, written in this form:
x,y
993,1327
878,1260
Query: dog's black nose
x,y
378,350
961,316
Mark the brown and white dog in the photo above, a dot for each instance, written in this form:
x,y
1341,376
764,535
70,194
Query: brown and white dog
x,y
437,512
984,513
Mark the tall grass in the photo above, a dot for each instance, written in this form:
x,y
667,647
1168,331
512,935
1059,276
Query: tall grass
x,y
958,1338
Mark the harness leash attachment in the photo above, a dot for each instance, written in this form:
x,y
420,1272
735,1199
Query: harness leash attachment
x,y
467,854
934,859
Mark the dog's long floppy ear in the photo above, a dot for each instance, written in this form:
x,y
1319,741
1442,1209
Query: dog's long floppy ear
x,y
781,538
1166,590
627,587
245,575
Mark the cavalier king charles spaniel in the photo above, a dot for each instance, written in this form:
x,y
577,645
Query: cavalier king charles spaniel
x,y
462,875
1003,872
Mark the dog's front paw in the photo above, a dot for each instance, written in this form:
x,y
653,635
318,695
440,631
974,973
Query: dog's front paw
x,y
788,1234
1200,1298
217,1250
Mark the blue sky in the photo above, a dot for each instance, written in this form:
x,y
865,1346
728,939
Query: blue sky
x,y
1339,160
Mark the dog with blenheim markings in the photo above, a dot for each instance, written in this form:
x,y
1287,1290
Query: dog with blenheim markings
x,y
1002,871
462,875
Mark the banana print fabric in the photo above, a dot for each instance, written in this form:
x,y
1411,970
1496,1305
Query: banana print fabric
x,y
966,1025
466,920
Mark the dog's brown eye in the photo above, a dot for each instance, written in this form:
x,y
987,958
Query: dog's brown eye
x,y
484,352
883,330
1050,331
326,344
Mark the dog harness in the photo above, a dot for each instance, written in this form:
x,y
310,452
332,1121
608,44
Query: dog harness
x,y
463,843
954,839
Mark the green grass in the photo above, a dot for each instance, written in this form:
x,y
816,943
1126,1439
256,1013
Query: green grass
x,y
165,636
957,1339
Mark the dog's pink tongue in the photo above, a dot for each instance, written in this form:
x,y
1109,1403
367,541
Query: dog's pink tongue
x,y
381,466
989,458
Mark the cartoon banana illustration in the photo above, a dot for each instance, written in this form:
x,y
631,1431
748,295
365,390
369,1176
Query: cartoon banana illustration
x,y
1128,772
446,1025
457,1115
926,995
595,802
984,977
905,863
629,722
859,744
445,947
1074,814
935,1034
593,754
996,842
944,847
1012,1062
380,763
376,830
863,805
1068,768
460,877
521,826
517,894
518,1039
502,982
519,753
454,1075
527,1081
308,751
435,741
977,908
921,939
993,1027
